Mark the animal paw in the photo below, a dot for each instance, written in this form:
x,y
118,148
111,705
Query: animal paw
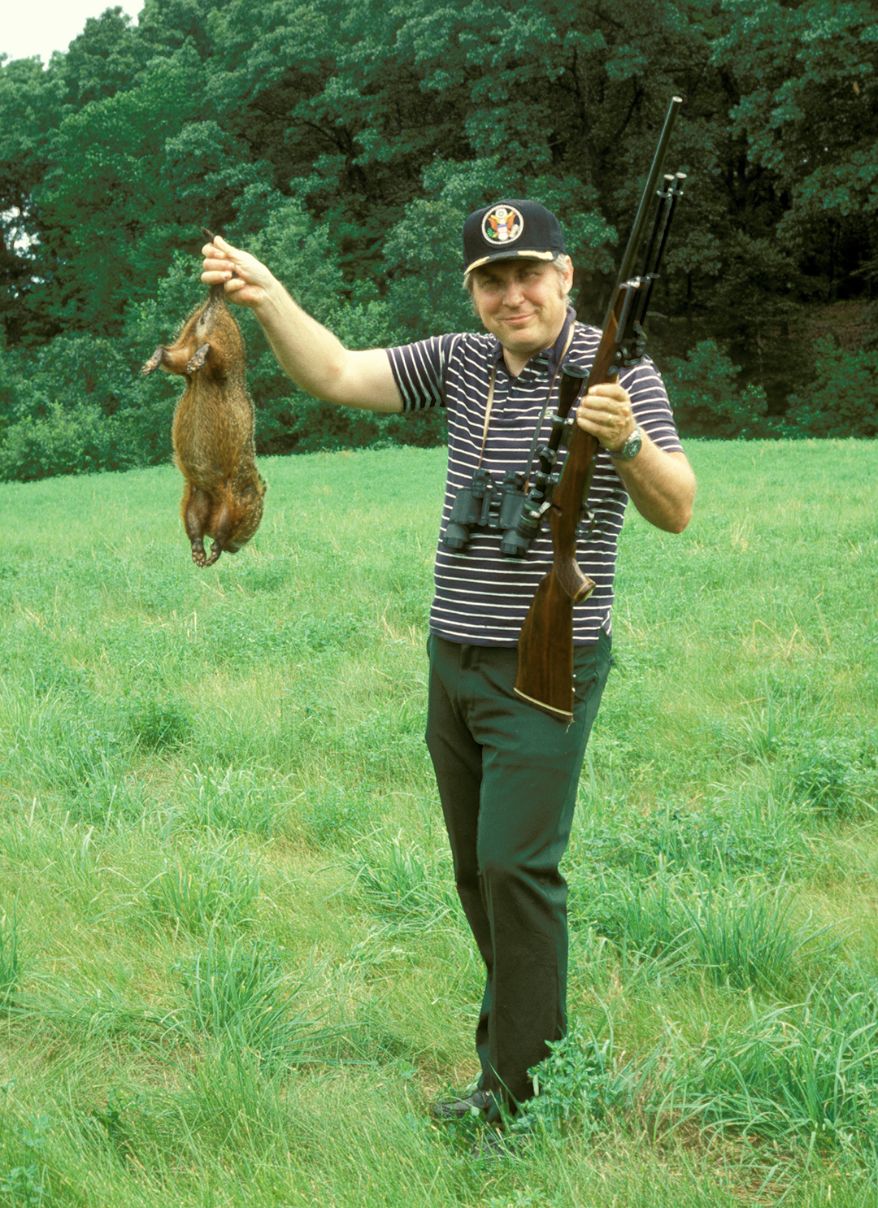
x,y
196,361
154,361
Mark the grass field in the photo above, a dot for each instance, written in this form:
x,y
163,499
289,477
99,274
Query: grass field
x,y
232,967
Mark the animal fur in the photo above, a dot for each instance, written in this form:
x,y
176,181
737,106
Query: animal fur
x,y
213,431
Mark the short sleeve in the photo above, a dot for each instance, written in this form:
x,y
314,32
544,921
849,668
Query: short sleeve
x,y
419,371
649,402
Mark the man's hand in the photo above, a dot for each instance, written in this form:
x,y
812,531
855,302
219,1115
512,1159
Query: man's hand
x,y
605,411
244,278
661,484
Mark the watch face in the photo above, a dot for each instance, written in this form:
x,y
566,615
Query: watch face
x,y
630,448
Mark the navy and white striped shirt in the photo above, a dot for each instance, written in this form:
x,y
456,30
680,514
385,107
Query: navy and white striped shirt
x,y
482,597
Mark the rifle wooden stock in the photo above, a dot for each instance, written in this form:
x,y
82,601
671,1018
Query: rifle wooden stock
x,y
545,645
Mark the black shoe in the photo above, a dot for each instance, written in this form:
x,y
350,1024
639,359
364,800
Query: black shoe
x,y
475,1104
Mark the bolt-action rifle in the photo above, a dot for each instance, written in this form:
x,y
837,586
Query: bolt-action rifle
x,y
545,646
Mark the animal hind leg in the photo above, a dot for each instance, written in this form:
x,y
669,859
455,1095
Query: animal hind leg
x,y
221,529
195,509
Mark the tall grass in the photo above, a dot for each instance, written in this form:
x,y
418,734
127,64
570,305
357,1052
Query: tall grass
x,y
233,970
10,960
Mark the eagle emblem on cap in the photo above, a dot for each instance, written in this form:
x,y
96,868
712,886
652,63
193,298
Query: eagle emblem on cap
x,y
502,224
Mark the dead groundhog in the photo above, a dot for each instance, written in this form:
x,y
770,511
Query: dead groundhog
x,y
213,431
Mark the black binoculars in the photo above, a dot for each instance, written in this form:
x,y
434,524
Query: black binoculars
x,y
485,505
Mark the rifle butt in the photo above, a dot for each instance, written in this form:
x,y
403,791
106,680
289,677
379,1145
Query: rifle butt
x,y
545,645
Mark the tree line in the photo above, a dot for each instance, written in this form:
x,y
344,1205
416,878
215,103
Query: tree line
x,y
345,144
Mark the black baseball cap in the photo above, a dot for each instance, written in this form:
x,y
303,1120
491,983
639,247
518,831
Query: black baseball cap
x,y
507,230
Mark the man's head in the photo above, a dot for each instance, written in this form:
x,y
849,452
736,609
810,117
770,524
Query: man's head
x,y
518,274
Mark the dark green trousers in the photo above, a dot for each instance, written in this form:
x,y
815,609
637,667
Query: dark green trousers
x,y
507,776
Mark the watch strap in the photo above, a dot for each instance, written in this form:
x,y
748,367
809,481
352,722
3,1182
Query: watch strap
x,y
630,448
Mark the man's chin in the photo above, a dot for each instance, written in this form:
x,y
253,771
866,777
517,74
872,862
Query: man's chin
x,y
523,328
522,342
509,330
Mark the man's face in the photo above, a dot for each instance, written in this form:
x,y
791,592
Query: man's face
x,y
522,302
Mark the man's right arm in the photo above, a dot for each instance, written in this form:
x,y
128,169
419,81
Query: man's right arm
x,y
313,357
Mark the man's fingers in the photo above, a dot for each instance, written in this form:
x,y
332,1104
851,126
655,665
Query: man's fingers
x,y
240,274
607,392
219,249
221,266
603,412
599,406
607,402
226,249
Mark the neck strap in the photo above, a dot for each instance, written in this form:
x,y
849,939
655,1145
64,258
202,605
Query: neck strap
x,y
489,403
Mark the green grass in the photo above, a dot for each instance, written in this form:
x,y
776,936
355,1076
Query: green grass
x,y
233,970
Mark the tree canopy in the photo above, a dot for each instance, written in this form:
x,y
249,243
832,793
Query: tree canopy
x,y
346,144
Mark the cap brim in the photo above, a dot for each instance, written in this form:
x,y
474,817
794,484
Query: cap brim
x,y
510,255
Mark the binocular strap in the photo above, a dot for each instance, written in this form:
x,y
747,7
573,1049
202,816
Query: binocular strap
x,y
489,403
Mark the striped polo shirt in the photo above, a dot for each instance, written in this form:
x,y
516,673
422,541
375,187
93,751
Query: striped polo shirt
x,y
481,596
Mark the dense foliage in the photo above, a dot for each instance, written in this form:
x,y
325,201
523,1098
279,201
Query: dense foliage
x,y
345,145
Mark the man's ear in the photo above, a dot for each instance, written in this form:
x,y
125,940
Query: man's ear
x,y
567,279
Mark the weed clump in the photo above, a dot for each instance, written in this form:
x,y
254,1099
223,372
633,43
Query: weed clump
x,y
232,800
745,830
213,889
400,883
806,1073
577,1086
832,776
24,1181
239,995
331,815
10,960
743,935
158,723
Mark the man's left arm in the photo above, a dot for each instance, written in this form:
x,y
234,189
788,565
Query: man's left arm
x,y
660,482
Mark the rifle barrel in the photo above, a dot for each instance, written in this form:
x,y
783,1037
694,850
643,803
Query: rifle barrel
x,y
666,212
652,180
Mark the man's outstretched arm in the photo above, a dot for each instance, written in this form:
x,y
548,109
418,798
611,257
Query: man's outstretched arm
x,y
313,357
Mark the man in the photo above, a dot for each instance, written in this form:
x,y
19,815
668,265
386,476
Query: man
x,y
507,773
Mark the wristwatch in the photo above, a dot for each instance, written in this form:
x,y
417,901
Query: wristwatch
x,y
631,447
